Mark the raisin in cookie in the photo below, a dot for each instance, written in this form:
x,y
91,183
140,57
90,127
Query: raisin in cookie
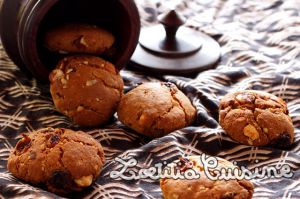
x,y
61,159
256,118
155,109
203,186
79,38
86,88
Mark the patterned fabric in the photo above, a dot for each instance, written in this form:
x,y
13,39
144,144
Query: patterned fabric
x,y
260,50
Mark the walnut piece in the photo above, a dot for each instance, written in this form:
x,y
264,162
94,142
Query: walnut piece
x,y
91,82
83,42
63,81
143,119
70,70
80,108
251,132
58,74
84,181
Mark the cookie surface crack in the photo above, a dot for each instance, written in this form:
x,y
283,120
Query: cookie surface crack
x,y
181,107
107,85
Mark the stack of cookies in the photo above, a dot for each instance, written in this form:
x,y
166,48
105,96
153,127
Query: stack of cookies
x,y
89,89
84,86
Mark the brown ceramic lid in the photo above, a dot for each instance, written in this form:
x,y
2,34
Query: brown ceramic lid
x,y
171,49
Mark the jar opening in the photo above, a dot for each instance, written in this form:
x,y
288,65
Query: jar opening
x,y
119,17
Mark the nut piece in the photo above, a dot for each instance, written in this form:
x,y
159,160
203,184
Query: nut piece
x,y
57,74
80,108
245,98
91,82
84,181
251,132
143,119
70,70
175,196
83,42
63,81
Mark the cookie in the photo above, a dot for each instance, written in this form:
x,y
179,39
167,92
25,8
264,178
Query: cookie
x,y
62,159
156,109
79,38
86,88
256,118
204,187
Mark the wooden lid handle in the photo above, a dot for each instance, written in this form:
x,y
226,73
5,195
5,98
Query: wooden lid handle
x,y
171,21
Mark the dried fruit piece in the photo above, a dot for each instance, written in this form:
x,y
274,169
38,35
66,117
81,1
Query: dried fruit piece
x,y
53,139
167,84
60,179
32,155
228,195
283,141
23,144
171,86
185,164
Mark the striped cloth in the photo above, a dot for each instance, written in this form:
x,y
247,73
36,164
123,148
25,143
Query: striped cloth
x,y
260,43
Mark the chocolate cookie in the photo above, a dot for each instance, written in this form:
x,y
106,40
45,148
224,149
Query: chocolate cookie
x,y
61,159
204,187
256,118
86,88
155,109
78,38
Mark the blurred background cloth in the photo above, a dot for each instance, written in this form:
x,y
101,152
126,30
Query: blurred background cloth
x,y
260,43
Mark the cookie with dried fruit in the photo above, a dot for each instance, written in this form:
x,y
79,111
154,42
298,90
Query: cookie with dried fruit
x,y
256,118
156,109
203,186
61,159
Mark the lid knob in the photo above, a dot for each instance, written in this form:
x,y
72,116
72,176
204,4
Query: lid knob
x,y
171,22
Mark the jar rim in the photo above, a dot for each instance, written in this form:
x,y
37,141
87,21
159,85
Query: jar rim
x,y
31,19
27,39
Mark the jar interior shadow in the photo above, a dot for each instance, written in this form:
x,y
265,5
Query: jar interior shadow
x,y
106,14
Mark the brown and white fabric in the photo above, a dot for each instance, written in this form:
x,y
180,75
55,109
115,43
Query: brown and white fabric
x,y
260,43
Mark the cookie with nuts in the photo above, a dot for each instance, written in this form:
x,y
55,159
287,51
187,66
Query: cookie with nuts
x,y
156,109
62,159
256,118
79,38
203,186
86,88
